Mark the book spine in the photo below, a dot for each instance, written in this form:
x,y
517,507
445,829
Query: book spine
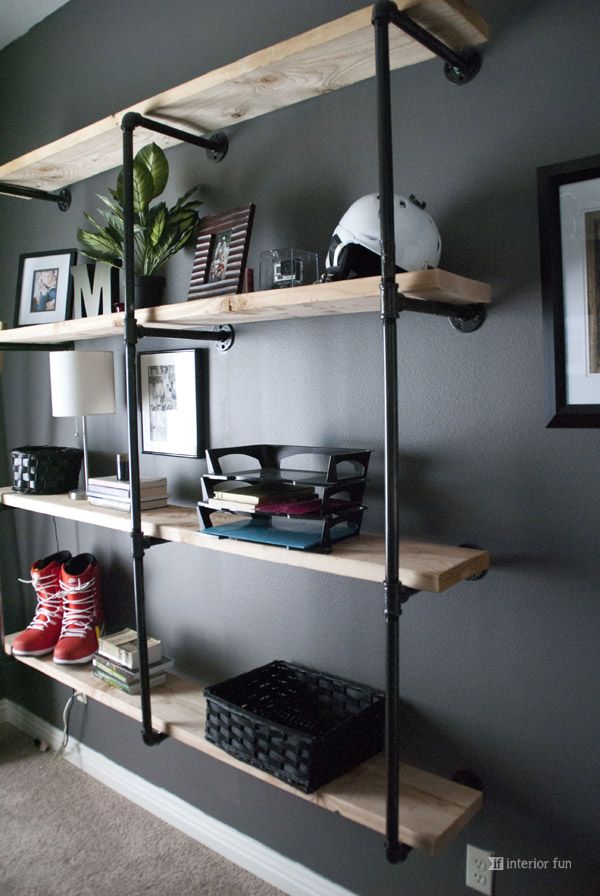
x,y
110,668
129,676
125,504
132,689
130,658
124,494
122,485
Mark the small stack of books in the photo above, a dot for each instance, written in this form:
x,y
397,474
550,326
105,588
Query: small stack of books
x,y
117,661
267,497
108,491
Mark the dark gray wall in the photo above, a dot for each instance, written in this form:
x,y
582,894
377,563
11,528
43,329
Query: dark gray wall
x,y
499,676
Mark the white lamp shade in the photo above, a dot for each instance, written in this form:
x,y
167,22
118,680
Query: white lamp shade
x,y
82,383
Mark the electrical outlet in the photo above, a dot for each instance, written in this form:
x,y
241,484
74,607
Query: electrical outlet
x,y
479,875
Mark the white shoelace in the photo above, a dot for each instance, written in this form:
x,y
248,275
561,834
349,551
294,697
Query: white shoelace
x,y
48,605
79,611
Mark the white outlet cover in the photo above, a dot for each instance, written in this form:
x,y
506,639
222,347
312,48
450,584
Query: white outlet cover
x,y
479,876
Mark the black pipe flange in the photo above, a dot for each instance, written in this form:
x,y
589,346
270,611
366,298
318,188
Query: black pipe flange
x,y
470,63
468,319
219,151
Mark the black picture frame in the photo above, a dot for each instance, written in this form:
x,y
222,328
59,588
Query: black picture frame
x,y
44,287
170,400
569,222
221,253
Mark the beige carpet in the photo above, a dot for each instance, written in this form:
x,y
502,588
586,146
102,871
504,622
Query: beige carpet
x,y
62,833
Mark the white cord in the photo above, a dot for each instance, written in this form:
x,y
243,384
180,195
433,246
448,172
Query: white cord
x,y
65,738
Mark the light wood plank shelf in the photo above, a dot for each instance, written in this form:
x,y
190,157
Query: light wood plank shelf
x,y
425,567
331,56
344,297
432,809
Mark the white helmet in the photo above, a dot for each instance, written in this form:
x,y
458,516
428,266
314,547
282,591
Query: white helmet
x,y
417,239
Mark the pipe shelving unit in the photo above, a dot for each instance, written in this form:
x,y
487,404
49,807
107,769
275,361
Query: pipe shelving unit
x,y
460,67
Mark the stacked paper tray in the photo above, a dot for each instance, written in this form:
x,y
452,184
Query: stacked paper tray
x,y
274,502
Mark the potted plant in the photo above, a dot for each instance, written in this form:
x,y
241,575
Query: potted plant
x,y
158,231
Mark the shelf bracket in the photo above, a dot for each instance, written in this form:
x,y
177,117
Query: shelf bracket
x,y
37,346
464,318
223,335
468,318
396,594
460,67
149,541
216,145
62,199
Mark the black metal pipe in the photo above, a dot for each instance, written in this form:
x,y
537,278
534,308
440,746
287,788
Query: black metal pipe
x,y
137,538
62,199
389,315
216,145
180,333
461,65
441,309
37,347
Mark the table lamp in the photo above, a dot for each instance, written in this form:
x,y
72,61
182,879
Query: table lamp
x,y
82,383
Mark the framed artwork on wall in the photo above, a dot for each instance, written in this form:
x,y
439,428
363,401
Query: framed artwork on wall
x,y
44,288
221,253
569,218
170,402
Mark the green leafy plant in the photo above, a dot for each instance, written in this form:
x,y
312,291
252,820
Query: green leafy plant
x,y
158,231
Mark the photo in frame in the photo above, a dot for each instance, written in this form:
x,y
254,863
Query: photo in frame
x,y
44,288
221,253
569,218
170,402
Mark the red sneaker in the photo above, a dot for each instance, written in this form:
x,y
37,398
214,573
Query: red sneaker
x,y
82,617
43,631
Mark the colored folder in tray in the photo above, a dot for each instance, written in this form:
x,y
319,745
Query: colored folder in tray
x,y
299,539
308,509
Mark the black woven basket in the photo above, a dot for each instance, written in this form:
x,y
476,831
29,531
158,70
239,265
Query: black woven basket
x,y
301,726
45,469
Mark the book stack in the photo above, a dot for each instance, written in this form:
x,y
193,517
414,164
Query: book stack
x,y
265,497
117,661
108,491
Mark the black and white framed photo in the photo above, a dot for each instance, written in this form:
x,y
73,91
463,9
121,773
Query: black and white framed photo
x,y
44,289
170,402
569,216
221,253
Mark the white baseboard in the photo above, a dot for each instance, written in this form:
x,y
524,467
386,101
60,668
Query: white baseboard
x,y
266,864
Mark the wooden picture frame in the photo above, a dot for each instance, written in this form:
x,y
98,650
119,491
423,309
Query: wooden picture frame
x,y
569,218
44,287
221,253
170,402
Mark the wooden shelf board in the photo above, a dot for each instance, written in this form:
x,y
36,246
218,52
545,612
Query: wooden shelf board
x,y
432,809
425,567
331,56
341,297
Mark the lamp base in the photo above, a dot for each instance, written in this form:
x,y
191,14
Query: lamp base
x,y
78,495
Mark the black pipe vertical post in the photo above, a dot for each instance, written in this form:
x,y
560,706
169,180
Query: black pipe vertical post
x,y
137,537
389,315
